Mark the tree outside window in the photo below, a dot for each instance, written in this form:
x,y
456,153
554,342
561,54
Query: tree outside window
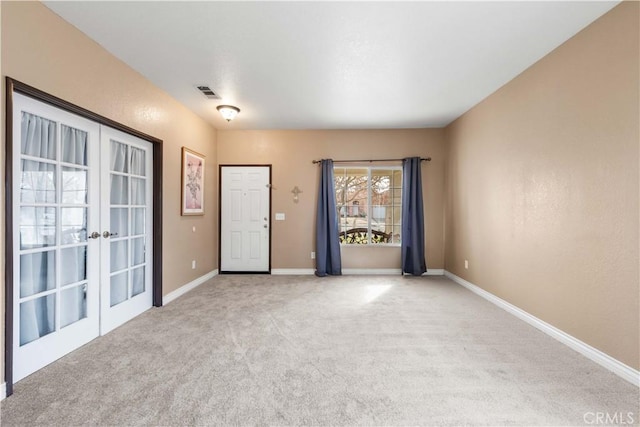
x,y
369,202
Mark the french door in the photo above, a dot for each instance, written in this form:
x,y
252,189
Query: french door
x,y
245,218
126,186
81,226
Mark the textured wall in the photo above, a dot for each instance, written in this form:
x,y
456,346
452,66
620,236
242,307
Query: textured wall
x,y
542,188
291,153
42,50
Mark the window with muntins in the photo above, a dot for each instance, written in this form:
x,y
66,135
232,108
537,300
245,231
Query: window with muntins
x,y
369,203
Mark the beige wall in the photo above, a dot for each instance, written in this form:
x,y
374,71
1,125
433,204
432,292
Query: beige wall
x,y
42,50
291,152
542,188
541,191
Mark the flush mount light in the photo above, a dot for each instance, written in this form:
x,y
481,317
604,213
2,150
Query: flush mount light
x,y
229,112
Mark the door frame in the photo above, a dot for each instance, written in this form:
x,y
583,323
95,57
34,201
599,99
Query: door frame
x,y
11,86
220,215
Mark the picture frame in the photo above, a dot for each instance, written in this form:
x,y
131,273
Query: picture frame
x,y
192,183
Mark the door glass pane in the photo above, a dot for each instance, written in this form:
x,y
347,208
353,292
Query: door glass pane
x,y
138,191
137,161
37,182
119,156
74,145
37,227
119,255
38,137
73,305
37,318
74,265
137,285
138,221
119,222
137,251
119,190
74,225
37,273
74,186
119,288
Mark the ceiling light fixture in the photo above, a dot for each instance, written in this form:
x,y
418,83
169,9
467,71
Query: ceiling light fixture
x,y
229,112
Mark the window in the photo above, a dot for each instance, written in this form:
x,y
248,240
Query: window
x,y
369,203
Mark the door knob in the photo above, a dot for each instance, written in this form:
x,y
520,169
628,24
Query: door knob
x,y
106,234
94,235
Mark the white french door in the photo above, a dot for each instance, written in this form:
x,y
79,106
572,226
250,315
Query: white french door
x,y
62,220
126,211
244,218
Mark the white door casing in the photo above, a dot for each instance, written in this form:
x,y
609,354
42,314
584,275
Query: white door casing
x,y
245,218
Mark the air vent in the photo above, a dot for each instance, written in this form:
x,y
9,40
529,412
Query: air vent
x,y
206,90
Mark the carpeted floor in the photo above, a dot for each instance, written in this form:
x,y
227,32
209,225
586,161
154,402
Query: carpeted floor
x,y
277,350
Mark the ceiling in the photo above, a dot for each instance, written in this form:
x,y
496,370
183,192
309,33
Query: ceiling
x,y
331,65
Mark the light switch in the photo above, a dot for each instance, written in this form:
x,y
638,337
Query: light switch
x,y
280,216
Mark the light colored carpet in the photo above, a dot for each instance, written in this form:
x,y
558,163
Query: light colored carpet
x,y
274,350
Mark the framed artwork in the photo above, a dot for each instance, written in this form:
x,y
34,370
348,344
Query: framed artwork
x,y
192,182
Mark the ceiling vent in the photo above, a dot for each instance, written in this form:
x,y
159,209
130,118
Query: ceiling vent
x,y
206,90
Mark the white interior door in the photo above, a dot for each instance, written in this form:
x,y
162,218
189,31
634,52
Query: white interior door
x,y
244,218
55,209
82,216
126,220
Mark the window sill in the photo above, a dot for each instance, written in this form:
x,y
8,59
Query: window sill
x,y
373,245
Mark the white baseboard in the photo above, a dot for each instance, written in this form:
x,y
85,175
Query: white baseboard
x,y
3,391
350,272
292,271
434,272
371,271
623,371
189,286
387,271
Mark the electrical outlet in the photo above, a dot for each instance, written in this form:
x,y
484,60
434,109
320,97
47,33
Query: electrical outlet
x,y
193,229
313,255
193,264
466,264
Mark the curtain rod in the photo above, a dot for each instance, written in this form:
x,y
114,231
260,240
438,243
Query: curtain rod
x,y
427,159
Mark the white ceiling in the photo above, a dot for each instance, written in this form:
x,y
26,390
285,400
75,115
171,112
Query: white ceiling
x,y
331,65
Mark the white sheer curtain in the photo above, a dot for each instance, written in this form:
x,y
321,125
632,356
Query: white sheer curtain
x,y
38,136
74,259
127,190
119,183
118,157
137,161
119,196
37,270
74,305
138,191
72,300
37,316
38,183
74,145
